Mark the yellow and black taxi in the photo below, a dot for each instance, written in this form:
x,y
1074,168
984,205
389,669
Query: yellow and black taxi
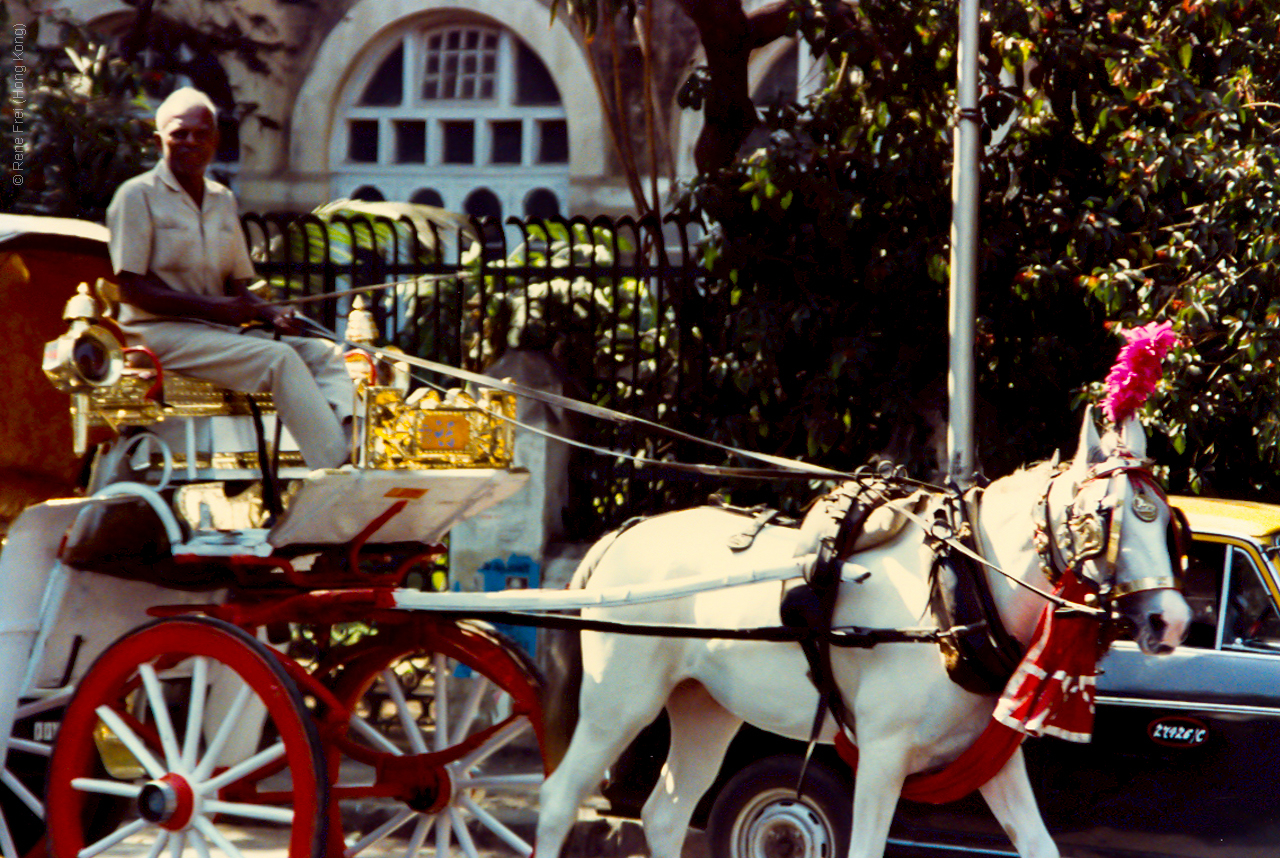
x,y
1183,761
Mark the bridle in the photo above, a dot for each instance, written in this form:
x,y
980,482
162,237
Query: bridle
x,y
1087,540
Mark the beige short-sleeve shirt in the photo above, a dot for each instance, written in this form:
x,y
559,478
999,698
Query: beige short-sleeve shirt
x,y
155,227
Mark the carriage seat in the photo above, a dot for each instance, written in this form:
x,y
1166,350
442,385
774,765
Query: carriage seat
x,y
216,436
118,388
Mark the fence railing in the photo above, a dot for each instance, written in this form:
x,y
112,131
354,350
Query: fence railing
x,y
603,297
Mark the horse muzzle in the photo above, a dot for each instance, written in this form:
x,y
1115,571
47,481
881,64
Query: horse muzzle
x,y
1156,620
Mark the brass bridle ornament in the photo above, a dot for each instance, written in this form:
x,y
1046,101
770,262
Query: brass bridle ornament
x,y
1087,540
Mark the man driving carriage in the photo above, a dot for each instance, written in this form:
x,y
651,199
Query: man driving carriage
x,y
184,269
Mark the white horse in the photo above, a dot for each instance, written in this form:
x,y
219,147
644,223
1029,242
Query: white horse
x,y
907,714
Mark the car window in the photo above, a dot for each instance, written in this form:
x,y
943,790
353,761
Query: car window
x,y
1251,619
1202,588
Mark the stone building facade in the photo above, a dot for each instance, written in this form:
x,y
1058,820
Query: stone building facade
x,y
488,107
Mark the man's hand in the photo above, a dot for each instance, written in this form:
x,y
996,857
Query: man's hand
x,y
283,321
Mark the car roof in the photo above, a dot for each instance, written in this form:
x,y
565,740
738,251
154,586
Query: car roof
x,y
1216,515
24,231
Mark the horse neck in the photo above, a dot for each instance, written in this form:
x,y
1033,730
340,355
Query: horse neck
x,y
1006,527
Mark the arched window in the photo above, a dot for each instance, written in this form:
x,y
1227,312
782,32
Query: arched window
x,y
367,193
482,203
468,104
541,203
427,197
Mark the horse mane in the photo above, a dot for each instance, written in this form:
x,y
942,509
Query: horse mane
x,y
1020,479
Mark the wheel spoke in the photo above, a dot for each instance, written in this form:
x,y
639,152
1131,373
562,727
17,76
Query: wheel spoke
x,y
131,741
444,834
243,768
216,837
419,838
464,836
19,789
195,712
121,834
479,685
162,840
199,844
160,711
391,825
523,783
495,743
491,822
370,733
228,726
407,722
27,746
441,671
7,846
267,812
41,705
99,786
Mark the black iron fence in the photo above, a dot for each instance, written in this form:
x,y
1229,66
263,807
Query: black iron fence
x,y
604,298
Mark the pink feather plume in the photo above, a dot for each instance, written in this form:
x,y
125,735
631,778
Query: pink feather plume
x,y
1136,371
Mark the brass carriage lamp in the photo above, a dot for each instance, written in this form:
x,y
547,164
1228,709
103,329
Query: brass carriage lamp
x,y
86,358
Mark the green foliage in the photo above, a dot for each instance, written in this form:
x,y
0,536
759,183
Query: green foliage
x,y
89,128
348,244
1130,174
560,290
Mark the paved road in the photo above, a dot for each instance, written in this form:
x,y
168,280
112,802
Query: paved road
x,y
596,837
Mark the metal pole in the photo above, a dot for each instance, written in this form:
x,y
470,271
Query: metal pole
x,y
964,225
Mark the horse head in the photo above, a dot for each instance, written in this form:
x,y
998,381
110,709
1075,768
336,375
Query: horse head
x,y
1110,522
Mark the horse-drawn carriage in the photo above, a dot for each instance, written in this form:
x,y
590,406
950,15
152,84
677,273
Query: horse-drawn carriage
x,y
220,630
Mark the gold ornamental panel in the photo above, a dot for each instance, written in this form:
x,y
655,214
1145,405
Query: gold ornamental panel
x,y
430,432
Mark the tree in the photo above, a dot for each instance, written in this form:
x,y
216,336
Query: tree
x,y
1129,175
87,128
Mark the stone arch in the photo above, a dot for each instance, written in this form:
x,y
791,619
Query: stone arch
x,y
358,41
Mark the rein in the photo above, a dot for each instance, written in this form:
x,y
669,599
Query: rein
x,y
781,467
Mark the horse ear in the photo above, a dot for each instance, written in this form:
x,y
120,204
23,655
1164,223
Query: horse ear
x,y
1090,447
1134,437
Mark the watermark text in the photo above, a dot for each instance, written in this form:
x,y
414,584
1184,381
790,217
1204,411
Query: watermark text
x,y
18,98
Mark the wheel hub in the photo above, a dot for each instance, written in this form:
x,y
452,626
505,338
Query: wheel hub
x,y
167,802
788,830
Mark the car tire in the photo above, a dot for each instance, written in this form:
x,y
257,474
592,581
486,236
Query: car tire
x,y
758,815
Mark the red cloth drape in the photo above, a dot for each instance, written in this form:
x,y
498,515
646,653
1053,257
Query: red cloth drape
x,y
1050,693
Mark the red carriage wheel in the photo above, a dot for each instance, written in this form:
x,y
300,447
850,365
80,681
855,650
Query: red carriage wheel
x,y
445,740
202,735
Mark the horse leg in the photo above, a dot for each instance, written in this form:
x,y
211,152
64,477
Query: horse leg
x,y
610,718
701,730
882,768
1010,798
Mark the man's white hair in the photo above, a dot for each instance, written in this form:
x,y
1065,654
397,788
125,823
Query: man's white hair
x,y
180,101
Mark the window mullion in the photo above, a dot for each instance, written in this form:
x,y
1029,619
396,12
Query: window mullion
x,y
413,70
529,147
503,90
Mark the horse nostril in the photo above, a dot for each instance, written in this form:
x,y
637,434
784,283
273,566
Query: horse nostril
x,y
1158,625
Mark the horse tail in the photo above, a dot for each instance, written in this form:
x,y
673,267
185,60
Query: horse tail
x,y
563,649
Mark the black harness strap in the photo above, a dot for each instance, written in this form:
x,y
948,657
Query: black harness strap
x,y
812,605
983,656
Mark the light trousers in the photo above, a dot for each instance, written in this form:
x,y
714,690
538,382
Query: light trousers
x,y
306,376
